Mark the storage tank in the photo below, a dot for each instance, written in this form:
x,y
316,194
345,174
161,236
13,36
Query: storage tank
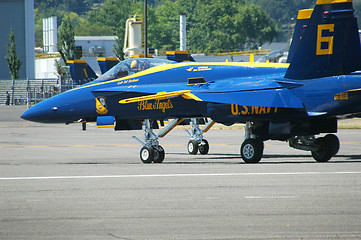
x,y
133,37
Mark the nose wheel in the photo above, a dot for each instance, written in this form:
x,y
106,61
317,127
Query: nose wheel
x,y
194,147
197,143
147,154
152,152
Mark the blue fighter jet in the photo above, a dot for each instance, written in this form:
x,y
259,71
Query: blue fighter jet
x,y
287,102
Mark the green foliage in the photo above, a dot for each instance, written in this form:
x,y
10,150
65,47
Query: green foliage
x,y
254,25
77,6
164,28
66,41
58,68
230,25
93,29
118,48
114,14
12,59
211,24
282,11
76,21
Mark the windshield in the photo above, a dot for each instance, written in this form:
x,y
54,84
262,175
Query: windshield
x,y
130,66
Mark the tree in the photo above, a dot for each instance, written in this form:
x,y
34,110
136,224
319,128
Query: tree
x,y
118,48
164,28
282,11
253,23
12,59
66,41
114,14
228,25
93,29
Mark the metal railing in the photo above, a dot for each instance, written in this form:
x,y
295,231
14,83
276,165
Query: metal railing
x,y
31,91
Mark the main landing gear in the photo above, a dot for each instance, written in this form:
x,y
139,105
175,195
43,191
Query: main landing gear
x,y
252,147
151,150
197,143
322,148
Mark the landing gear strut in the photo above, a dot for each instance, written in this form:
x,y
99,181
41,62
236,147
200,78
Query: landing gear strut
x,y
322,149
151,150
197,143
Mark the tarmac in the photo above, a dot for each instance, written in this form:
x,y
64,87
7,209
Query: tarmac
x,y
59,182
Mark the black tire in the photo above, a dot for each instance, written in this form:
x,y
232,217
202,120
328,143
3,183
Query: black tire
x,y
252,150
324,151
192,147
333,141
147,154
159,155
203,147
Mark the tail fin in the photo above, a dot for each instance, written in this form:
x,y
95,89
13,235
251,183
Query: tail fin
x,y
80,71
303,18
329,43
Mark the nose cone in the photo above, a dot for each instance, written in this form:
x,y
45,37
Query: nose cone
x,y
66,107
44,112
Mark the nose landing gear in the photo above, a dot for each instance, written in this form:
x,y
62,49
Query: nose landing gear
x,y
151,150
197,143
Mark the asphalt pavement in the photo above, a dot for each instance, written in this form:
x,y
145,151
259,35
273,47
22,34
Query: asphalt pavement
x,y
59,182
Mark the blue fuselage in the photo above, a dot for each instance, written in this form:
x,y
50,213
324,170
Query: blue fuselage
x,y
253,81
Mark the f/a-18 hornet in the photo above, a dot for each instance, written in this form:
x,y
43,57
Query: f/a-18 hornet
x,y
287,102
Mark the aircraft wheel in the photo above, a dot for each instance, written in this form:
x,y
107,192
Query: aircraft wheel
x,y
203,147
147,154
334,142
325,151
252,150
159,155
192,147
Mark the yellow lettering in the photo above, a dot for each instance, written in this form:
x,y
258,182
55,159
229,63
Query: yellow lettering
x,y
245,111
234,109
328,40
262,110
255,110
341,96
157,105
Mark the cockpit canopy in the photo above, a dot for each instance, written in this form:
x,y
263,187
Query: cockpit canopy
x,y
130,66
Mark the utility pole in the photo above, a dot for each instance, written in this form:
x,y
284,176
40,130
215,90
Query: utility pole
x,y
145,30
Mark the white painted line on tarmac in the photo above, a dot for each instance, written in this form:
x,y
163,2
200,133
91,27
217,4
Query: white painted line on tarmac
x,y
177,175
270,197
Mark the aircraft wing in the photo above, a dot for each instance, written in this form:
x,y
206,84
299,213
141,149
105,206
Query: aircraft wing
x,y
253,92
282,98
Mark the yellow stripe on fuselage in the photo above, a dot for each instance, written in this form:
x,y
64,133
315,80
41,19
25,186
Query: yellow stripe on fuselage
x,y
179,65
320,2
